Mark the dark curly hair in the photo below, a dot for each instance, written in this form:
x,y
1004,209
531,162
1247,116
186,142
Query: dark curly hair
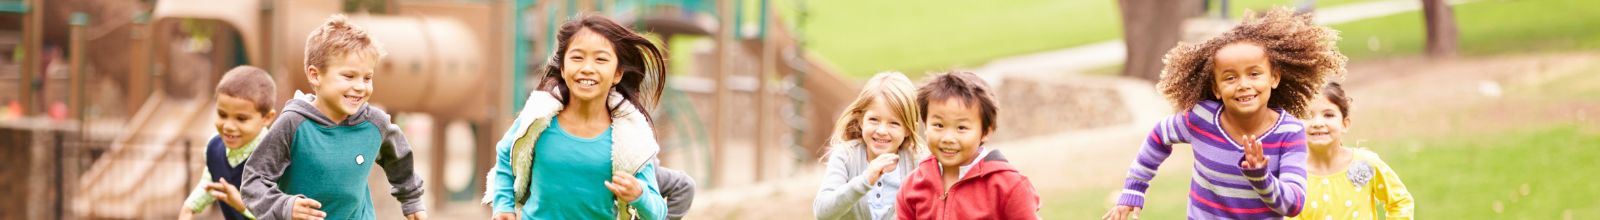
x,y
1302,54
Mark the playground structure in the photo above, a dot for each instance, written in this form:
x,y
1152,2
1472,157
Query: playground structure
x,y
138,106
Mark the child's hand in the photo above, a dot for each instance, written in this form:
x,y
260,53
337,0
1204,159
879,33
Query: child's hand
x,y
505,216
306,209
625,187
423,215
226,193
1122,212
1253,158
883,164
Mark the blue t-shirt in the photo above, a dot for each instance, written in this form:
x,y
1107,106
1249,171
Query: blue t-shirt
x,y
569,175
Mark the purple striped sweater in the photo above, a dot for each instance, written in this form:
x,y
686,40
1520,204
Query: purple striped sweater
x,y
1219,189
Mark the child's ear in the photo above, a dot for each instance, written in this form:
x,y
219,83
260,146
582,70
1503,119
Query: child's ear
x,y
271,116
311,75
1347,124
986,134
1276,77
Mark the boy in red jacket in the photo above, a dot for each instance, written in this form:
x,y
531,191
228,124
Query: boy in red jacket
x,y
962,179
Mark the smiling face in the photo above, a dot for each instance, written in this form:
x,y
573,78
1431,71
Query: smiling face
x,y
589,67
1327,124
881,130
239,121
955,129
1243,78
345,85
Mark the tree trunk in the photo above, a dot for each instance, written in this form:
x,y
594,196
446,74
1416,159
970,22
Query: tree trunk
x,y
1150,28
1441,28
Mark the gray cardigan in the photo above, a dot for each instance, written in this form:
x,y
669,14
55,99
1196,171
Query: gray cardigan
x,y
843,187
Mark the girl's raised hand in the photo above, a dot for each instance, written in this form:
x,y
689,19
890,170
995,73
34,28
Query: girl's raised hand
x,y
625,187
883,164
1253,158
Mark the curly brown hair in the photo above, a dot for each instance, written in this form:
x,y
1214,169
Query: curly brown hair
x,y
1302,54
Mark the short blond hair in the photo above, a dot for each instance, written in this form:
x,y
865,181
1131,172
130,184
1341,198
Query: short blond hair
x,y
894,90
338,37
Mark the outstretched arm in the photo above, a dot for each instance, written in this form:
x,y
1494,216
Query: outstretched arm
x,y
1283,191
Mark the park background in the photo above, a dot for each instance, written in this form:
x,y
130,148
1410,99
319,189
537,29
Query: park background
x,y
1486,108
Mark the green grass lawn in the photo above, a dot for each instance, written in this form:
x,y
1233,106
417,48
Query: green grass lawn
x,y
865,37
1529,173
1486,27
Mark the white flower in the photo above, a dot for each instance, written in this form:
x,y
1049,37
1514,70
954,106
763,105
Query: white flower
x,y
1360,172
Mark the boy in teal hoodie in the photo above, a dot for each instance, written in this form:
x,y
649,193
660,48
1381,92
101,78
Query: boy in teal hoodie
x,y
314,162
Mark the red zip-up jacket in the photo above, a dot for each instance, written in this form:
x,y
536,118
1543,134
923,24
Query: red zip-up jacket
x,y
991,189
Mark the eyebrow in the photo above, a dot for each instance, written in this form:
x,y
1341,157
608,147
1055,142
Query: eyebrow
x,y
581,50
962,119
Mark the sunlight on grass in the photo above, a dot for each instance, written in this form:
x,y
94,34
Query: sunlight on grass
x,y
1486,27
1529,172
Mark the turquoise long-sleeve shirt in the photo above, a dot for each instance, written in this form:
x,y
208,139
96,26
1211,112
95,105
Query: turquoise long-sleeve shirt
x,y
577,168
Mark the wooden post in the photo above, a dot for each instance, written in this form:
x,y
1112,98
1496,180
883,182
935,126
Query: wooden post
x,y
139,64
769,54
75,74
437,147
32,44
720,80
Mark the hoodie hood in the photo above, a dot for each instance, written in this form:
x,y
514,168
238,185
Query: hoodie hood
x,y
303,104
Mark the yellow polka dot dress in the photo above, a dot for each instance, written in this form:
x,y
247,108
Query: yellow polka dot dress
x,y
1353,194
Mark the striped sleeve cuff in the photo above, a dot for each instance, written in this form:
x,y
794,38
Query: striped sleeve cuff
x,y
1133,193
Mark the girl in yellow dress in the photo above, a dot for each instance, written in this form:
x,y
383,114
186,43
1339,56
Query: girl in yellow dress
x,y
1343,182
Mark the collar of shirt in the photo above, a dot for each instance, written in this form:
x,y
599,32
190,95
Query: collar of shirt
x,y
982,152
237,156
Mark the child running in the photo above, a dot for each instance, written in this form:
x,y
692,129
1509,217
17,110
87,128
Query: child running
x,y
1239,95
963,179
582,145
245,98
315,161
875,143
1345,183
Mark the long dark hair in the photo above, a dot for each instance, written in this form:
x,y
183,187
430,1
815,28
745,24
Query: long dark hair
x,y
642,63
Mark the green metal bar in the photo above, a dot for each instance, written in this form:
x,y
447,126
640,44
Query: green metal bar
x,y
738,19
762,33
519,55
14,6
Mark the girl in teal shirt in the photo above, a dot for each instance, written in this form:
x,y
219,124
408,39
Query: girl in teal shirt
x,y
582,147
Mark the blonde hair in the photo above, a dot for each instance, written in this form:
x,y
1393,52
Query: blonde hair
x,y
338,37
894,90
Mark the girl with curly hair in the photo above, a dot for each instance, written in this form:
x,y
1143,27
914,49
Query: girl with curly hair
x,y
1346,182
1239,95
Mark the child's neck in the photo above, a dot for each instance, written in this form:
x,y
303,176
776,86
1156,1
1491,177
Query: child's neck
x,y
585,119
1324,160
327,110
950,175
585,112
1252,124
